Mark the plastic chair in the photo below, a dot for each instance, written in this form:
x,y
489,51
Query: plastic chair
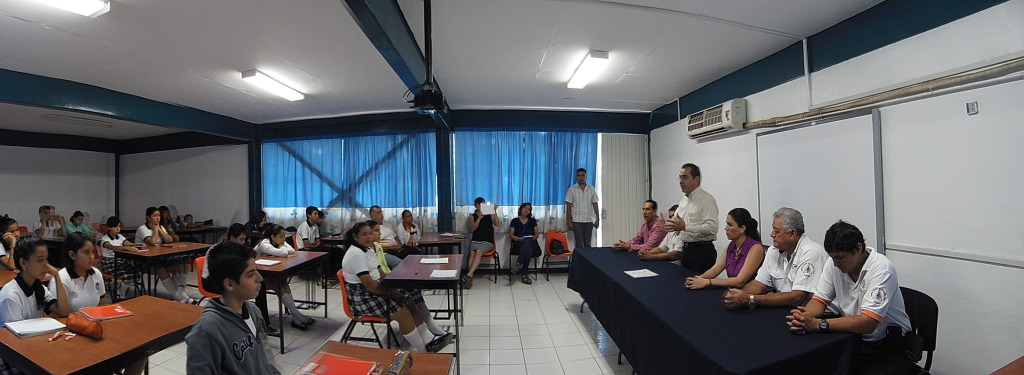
x,y
200,264
492,255
924,319
371,320
22,229
550,258
514,258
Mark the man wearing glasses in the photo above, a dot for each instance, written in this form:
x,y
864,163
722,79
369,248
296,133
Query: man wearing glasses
x,y
697,218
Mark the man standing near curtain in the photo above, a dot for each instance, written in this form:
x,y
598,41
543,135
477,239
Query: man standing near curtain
x,y
577,216
697,218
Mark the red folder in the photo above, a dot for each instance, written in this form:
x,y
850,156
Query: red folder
x,y
105,312
327,363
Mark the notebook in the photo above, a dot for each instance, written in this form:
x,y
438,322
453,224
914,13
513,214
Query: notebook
x,y
34,327
266,262
105,312
327,363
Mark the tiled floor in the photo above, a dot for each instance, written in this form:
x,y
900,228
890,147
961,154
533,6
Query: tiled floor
x,y
517,329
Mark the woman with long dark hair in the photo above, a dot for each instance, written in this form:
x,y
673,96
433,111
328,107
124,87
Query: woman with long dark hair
x,y
741,258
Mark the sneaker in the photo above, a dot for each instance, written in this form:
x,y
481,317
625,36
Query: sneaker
x,y
526,279
439,343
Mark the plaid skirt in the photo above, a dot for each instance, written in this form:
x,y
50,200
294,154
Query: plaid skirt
x,y
125,270
364,303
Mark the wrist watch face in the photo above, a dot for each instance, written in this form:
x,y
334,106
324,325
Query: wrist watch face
x,y
751,304
823,325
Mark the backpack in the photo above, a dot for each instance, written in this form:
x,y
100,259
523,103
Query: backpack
x,y
557,247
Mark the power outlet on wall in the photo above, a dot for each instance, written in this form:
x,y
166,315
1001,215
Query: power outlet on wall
x,y
972,108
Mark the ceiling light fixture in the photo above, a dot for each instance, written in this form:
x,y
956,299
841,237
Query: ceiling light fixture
x,y
265,82
593,64
88,8
78,120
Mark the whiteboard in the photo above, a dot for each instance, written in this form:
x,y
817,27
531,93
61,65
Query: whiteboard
x,y
827,171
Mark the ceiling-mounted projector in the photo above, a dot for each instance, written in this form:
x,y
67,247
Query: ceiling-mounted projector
x,y
429,101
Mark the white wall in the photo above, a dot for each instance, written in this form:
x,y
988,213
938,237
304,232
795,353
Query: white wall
x,y
981,315
67,179
207,182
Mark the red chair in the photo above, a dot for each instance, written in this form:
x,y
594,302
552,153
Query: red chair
x,y
549,258
371,320
492,255
200,264
22,229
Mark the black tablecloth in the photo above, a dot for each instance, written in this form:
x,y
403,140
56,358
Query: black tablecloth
x,y
664,328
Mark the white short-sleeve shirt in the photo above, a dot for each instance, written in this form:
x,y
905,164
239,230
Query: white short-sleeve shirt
x,y
144,232
17,305
358,262
267,248
876,293
118,241
673,241
3,253
83,290
802,273
51,228
307,232
388,237
582,201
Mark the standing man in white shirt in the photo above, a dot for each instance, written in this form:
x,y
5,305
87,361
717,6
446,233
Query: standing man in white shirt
x,y
862,284
578,199
697,218
791,268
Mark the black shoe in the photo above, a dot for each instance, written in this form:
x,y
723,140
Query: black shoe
x,y
270,330
439,343
526,279
304,326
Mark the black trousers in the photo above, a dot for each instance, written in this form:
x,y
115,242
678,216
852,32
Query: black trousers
x,y
699,256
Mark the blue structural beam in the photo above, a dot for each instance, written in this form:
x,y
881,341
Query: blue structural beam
x,y
33,90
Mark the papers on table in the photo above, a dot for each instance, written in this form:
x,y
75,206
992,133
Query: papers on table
x,y
440,274
434,260
34,327
641,273
266,262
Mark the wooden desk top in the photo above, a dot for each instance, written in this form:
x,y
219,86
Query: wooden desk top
x,y
156,325
422,363
163,250
201,229
436,238
413,274
1015,367
288,263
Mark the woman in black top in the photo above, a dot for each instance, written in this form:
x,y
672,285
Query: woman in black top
x,y
523,233
482,227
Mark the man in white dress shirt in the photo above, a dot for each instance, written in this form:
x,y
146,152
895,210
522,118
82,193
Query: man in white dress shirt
x,y
697,219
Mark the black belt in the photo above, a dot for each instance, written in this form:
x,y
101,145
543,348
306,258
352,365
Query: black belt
x,y
697,243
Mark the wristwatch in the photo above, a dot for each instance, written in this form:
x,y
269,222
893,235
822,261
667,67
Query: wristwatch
x,y
751,304
823,325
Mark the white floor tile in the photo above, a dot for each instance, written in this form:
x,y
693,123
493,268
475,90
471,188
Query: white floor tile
x,y
573,353
507,357
507,342
508,369
544,369
582,367
545,355
537,342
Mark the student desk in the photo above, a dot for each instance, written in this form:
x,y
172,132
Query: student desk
x,y
437,240
411,274
290,266
202,231
422,363
156,325
664,328
154,254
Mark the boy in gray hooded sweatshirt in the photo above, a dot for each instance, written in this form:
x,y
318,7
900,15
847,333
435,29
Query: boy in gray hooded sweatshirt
x,y
230,336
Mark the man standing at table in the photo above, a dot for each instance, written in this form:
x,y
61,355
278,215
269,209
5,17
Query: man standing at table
x,y
862,284
792,267
388,238
578,199
697,218
651,233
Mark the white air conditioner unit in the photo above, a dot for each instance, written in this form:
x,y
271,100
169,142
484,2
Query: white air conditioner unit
x,y
720,119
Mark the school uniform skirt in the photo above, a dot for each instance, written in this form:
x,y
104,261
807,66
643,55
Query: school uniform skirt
x,y
364,303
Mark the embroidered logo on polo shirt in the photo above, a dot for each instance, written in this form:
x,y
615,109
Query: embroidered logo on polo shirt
x,y
878,295
807,268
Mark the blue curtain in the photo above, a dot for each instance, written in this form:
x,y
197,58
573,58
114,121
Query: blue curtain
x,y
512,167
394,170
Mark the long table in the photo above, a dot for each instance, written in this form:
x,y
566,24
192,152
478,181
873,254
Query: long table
x,y
157,324
288,267
151,255
664,328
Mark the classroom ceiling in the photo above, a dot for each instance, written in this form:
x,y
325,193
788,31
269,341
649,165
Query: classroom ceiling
x,y
488,54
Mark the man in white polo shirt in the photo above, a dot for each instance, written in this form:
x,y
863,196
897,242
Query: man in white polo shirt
x,y
862,284
791,268
579,200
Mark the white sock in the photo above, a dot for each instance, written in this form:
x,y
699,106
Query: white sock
x,y
172,288
182,280
289,303
415,341
425,334
429,320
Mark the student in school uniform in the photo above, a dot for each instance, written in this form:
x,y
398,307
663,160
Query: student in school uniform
x,y
77,225
50,224
272,244
122,269
308,232
83,282
366,296
10,238
229,337
171,272
26,297
254,228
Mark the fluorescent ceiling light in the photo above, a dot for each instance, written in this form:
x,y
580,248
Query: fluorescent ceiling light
x,y
591,66
88,8
264,81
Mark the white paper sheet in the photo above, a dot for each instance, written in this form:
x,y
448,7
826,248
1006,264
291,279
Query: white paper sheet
x,y
641,273
434,260
444,273
266,262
